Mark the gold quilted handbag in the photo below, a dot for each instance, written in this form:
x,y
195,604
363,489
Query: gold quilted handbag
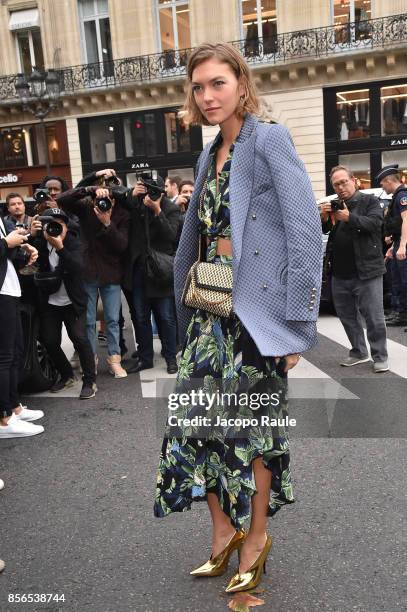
x,y
209,285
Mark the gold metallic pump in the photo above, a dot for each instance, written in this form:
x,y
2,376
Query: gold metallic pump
x,y
218,565
251,578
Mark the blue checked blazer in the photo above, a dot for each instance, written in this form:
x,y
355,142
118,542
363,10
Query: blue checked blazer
x,y
276,241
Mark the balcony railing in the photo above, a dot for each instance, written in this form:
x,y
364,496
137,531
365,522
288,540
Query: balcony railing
x,y
277,49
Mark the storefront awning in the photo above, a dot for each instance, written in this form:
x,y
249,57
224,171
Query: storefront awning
x,y
24,20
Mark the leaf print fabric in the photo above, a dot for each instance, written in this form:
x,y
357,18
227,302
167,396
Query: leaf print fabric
x,y
220,356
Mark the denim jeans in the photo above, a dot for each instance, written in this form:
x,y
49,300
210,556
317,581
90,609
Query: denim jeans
x,y
111,300
164,315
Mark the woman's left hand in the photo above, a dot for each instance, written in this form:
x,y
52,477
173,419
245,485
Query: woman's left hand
x,y
290,361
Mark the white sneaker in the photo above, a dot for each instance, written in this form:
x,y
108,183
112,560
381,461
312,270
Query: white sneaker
x,y
2,565
1,484
16,428
29,415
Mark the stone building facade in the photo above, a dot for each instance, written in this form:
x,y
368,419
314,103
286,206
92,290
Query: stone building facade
x,y
332,71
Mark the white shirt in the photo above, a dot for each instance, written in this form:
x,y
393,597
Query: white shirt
x,y
60,297
11,285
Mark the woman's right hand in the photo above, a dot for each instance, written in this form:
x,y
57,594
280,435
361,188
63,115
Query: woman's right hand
x,y
16,238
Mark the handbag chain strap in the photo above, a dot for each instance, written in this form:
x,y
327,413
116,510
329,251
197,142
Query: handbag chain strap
x,y
200,213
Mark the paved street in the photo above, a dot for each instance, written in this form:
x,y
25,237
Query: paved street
x,y
78,499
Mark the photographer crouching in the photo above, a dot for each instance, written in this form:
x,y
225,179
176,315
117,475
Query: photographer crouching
x,y
149,270
104,230
62,297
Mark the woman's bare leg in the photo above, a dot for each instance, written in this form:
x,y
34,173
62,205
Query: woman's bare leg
x,y
223,529
257,536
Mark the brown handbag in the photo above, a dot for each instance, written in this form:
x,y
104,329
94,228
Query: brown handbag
x,y
209,285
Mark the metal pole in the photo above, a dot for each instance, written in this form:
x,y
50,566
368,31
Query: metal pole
x,y
44,133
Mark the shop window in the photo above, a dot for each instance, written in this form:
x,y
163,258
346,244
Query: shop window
x,y
96,37
345,13
259,26
359,164
177,133
399,157
175,31
102,136
140,135
394,109
352,114
25,145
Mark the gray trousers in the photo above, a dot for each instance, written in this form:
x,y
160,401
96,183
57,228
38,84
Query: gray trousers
x,y
354,297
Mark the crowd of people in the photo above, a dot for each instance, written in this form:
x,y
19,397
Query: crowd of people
x,y
82,246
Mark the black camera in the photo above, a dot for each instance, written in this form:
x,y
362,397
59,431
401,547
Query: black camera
x,y
111,181
103,204
149,180
187,201
49,225
41,195
20,225
337,205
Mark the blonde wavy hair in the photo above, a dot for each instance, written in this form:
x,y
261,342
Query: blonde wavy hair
x,y
227,54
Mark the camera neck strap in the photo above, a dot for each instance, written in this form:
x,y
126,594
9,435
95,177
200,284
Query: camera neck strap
x,y
2,229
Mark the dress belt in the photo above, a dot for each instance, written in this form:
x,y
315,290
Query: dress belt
x,y
223,245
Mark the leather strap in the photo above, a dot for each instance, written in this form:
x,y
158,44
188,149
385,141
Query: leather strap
x,y
223,246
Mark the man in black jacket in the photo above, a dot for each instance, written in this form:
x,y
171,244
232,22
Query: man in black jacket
x,y
64,300
161,218
354,252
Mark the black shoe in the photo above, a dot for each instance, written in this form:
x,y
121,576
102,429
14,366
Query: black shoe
x,y
172,367
398,320
139,365
134,355
88,390
62,384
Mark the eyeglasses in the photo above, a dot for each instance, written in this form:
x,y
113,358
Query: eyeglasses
x,y
340,183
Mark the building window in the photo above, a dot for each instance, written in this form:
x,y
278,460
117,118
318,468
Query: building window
x,y
29,50
140,135
352,109
359,163
25,145
175,32
177,134
103,134
96,38
259,26
346,12
394,109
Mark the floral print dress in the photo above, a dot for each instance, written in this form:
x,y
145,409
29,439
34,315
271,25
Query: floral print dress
x,y
220,357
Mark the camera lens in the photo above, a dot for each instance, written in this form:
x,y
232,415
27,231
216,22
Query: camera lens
x,y
53,228
103,204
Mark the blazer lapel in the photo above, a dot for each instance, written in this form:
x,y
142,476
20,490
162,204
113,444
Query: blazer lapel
x,y
241,184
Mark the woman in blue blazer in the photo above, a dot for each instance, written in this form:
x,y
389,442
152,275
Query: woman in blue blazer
x,y
254,206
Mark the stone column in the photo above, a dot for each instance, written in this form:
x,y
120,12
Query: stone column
x,y
304,15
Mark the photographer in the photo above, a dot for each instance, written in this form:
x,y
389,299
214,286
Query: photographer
x,y
14,253
104,229
15,206
186,189
63,299
154,227
354,255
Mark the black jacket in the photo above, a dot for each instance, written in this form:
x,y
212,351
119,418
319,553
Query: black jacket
x,y
72,266
365,223
104,248
163,231
18,256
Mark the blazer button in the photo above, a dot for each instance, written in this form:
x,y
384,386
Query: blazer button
x,y
256,252
265,287
254,216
